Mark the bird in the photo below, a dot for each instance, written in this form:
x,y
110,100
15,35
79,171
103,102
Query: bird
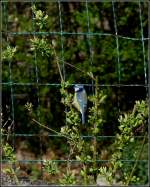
x,y
80,100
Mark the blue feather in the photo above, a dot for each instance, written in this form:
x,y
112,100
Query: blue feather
x,y
80,100
83,118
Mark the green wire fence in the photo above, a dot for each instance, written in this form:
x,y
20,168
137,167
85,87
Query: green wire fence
x,y
15,88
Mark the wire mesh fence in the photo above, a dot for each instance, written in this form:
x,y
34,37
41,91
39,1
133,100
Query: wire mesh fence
x,y
107,39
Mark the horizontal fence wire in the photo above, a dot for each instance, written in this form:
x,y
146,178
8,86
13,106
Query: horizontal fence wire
x,y
74,33
61,136
78,161
58,84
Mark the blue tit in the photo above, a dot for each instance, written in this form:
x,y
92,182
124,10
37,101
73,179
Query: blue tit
x,y
80,100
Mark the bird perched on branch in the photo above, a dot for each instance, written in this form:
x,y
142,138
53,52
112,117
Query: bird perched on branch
x,y
80,100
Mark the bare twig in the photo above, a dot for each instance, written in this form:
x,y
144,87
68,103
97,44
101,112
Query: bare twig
x,y
138,157
48,128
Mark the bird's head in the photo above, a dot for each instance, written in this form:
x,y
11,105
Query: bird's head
x,y
78,87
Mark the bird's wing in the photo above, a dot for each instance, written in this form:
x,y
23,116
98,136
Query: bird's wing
x,y
76,103
82,99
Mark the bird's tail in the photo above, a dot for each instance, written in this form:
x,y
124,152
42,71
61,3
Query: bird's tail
x,y
83,118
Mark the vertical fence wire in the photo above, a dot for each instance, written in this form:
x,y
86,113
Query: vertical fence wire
x,y
117,42
10,78
145,76
37,85
148,9
1,135
62,39
144,60
118,54
143,46
12,126
89,39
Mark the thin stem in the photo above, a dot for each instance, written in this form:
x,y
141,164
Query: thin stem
x,y
48,128
86,73
71,65
95,139
138,157
58,65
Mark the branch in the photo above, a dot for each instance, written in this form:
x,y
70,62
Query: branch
x,y
48,128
